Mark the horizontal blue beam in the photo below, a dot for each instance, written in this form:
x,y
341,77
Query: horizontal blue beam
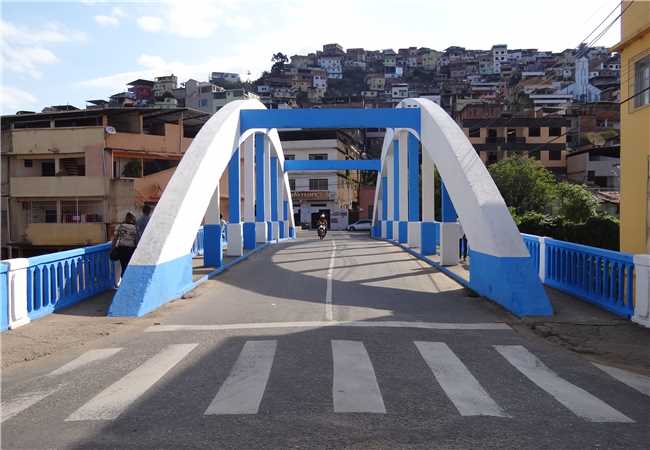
x,y
332,164
330,118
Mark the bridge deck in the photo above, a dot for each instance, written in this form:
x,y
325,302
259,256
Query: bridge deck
x,y
347,341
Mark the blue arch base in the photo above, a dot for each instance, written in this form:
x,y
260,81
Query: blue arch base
x,y
511,282
145,288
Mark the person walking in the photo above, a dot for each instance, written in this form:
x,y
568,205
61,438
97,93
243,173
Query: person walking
x,y
125,240
142,222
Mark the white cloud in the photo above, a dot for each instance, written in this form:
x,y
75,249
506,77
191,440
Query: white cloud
x,y
50,33
26,60
23,50
118,12
150,24
197,22
13,99
107,21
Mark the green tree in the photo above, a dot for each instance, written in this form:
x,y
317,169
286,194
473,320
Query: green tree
x,y
576,203
524,184
279,59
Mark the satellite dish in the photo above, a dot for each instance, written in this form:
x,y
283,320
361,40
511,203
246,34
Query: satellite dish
x,y
110,130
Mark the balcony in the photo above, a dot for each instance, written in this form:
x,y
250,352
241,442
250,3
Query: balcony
x,y
57,187
170,143
56,140
65,234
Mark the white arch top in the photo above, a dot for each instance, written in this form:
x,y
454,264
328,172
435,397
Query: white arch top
x,y
172,228
482,211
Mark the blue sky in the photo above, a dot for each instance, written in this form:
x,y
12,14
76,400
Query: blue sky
x,y
71,51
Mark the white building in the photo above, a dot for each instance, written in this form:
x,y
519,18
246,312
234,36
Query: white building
x,y
581,90
330,192
499,55
332,65
164,84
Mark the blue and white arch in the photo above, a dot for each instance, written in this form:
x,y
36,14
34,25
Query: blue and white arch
x,y
500,265
501,268
161,267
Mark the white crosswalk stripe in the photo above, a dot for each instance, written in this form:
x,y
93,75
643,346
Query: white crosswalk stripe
x,y
85,359
244,388
115,399
355,387
19,404
635,380
459,384
576,399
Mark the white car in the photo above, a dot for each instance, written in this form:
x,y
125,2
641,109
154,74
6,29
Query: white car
x,y
360,225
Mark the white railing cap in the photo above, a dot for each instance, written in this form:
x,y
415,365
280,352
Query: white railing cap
x,y
17,263
642,260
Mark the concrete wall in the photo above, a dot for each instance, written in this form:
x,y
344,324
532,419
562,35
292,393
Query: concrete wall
x,y
57,140
50,187
171,142
66,233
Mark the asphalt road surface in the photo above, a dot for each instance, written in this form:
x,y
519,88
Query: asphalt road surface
x,y
341,343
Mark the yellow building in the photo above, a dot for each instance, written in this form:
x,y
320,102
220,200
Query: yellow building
x,y
635,126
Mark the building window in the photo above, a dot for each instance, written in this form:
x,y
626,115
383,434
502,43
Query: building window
x,y
42,212
289,157
84,211
474,132
318,156
47,168
203,102
555,131
642,82
318,184
534,131
555,155
28,163
292,184
591,174
492,157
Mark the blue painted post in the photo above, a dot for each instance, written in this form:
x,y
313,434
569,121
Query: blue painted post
x,y
414,178
260,191
396,191
413,161
4,299
211,236
234,195
449,230
212,245
285,218
448,212
249,193
235,230
384,206
274,198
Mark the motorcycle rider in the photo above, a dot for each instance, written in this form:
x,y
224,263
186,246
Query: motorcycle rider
x,y
322,222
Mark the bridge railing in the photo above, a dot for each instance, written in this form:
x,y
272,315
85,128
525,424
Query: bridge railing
x,y
62,279
31,288
602,277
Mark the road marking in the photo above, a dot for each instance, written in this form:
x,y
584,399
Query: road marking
x,y
19,404
355,387
636,381
244,388
579,401
489,326
115,399
465,392
328,291
85,359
